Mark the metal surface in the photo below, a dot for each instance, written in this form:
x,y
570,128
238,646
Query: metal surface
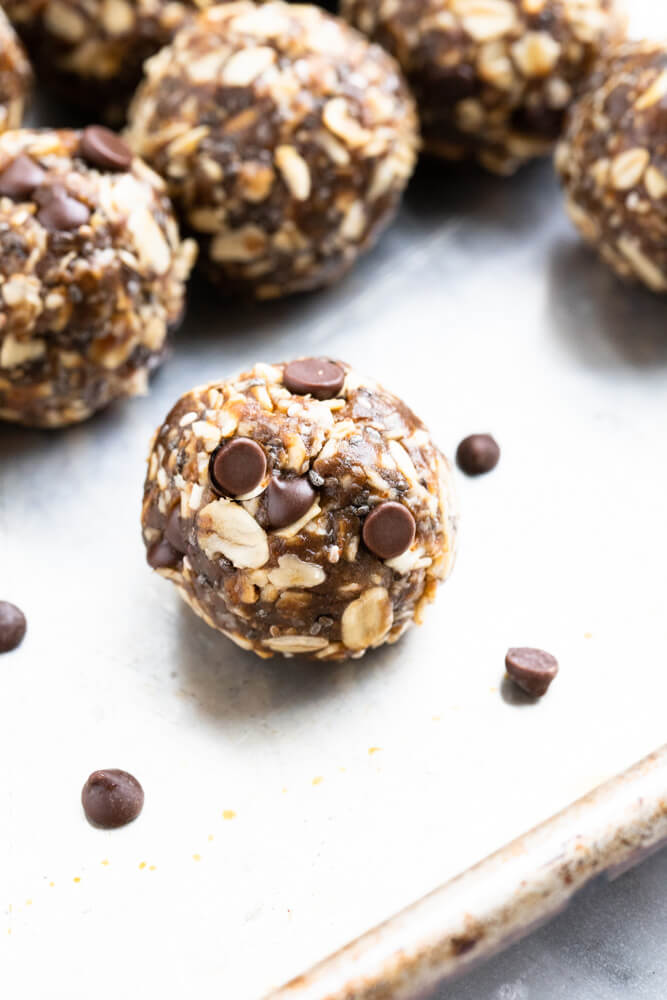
x,y
349,791
501,898
608,944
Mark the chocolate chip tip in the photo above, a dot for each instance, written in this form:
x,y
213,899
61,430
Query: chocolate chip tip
x,y
478,454
317,377
111,798
13,627
104,149
531,669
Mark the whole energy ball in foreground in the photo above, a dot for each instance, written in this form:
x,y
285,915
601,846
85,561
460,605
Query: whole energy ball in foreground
x,y
492,78
613,163
15,77
92,274
285,138
92,51
300,509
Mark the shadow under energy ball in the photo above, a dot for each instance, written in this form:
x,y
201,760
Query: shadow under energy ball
x,y
285,138
492,78
300,509
92,274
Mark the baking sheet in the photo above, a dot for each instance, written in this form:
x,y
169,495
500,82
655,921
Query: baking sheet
x,y
291,806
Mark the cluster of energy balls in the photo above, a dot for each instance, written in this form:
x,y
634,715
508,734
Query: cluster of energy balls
x,y
299,508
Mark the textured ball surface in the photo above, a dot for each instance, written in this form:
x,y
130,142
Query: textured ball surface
x,y
492,78
339,546
92,273
613,163
92,51
286,140
15,76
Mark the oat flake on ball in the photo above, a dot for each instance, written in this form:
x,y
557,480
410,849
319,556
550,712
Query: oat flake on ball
x,y
15,76
286,140
613,163
92,274
329,538
92,51
492,78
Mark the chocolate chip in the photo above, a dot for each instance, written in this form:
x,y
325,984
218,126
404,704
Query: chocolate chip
x,y
173,531
477,454
59,211
237,467
315,377
531,669
163,555
389,530
12,626
103,148
112,798
21,177
287,500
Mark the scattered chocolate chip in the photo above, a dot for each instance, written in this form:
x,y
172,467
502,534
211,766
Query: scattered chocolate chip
x,y
237,467
112,798
531,669
59,211
12,626
315,377
21,177
389,530
287,500
477,454
162,555
103,148
173,531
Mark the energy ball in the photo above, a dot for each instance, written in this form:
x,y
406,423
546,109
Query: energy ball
x,y
613,163
92,274
92,51
15,77
300,509
286,140
492,78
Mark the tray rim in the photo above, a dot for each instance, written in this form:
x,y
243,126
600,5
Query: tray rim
x,y
500,899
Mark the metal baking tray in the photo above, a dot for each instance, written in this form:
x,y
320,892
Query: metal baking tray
x,y
291,806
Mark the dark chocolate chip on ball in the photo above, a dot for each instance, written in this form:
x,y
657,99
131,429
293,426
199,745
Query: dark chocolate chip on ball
x,y
21,177
112,798
237,467
163,555
173,530
104,149
477,454
287,500
60,212
531,669
389,530
12,627
316,377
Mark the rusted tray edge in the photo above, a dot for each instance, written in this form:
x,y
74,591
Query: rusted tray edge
x,y
500,899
